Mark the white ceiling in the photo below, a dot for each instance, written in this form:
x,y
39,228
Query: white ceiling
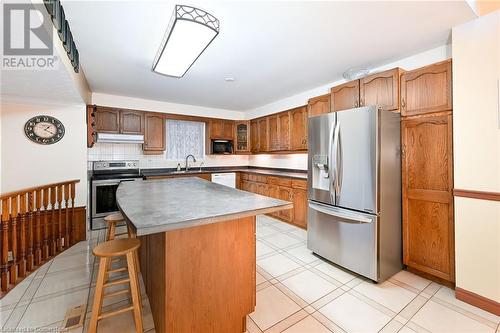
x,y
272,49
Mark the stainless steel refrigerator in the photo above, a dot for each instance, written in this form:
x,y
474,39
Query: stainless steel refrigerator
x,y
354,211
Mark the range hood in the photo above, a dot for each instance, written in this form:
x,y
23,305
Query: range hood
x,y
119,138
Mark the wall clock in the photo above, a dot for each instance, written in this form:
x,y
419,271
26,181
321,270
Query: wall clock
x,y
44,130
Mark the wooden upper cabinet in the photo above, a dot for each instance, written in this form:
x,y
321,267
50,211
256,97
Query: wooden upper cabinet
x,y
273,128
107,120
254,136
298,128
283,119
228,129
242,136
154,134
381,89
132,122
221,129
345,96
319,105
216,128
263,134
427,183
427,89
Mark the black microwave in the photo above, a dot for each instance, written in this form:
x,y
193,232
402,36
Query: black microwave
x,y
222,147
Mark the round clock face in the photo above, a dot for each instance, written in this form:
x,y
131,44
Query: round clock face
x,y
44,130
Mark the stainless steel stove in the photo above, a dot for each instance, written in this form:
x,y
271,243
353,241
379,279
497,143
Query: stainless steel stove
x,y
106,177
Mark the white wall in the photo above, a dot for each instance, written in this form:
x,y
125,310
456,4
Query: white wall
x,y
26,164
476,149
165,107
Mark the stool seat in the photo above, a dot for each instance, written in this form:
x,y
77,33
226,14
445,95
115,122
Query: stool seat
x,y
115,217
116,247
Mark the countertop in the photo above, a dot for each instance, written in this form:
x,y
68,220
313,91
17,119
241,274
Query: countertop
x,y
154,206
263,171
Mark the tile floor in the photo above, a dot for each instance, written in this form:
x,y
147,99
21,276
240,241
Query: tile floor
x,y
296,292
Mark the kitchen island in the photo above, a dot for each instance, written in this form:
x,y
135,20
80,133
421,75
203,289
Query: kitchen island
x,y
197,253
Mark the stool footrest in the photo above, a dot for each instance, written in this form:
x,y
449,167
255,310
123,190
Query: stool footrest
x,y
116,293
115,312
123,269
116,282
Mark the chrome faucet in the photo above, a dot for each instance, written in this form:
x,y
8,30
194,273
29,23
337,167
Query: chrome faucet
x,y
201,164
187,165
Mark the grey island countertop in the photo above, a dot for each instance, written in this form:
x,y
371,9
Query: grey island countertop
x,y
153,206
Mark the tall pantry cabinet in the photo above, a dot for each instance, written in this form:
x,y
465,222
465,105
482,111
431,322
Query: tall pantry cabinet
x,y
427,171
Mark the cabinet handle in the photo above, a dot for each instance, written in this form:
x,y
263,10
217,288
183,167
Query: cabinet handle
x,y
356,103
361,102
403,104
403,151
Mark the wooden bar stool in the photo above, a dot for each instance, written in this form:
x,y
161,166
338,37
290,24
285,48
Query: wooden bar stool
x,y
112,220
106,252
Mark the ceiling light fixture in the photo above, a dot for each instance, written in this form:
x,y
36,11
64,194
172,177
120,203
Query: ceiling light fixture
x,y
189,33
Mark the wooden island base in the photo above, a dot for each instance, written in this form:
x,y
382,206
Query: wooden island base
x,y
201,279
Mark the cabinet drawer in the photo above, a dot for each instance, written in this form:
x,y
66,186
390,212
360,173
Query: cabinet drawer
x,y
299,183
244,176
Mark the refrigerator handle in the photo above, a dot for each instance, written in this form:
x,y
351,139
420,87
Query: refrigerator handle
x,y
332,163
349,218
335,164
339,167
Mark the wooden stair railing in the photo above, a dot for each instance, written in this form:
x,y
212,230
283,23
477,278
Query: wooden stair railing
x,y
36,224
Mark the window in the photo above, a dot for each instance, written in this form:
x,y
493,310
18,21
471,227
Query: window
x,y
184,138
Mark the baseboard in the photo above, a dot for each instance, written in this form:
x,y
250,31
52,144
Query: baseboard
x,y
478,301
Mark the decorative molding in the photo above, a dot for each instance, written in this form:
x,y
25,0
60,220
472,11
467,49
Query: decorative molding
x,y
478,301
482,195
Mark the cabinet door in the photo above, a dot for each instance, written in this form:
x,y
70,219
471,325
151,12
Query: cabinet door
x,y
283,119
285,193
132,122
381,89
254,136
273,128
300,207
107,120
345,96
228,129
319,105
242,136
428,236
298,129
263,135
216,129
427,89
154,134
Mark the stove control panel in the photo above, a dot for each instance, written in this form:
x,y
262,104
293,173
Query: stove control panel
x,y
115,165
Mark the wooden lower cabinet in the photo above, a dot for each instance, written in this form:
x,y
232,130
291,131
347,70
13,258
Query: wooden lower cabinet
x,y
206,176
427,181
284,188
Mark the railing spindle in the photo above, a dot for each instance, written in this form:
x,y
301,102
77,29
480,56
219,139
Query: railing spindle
x,y
38,222
45,248
59,218
29,263
22,236
53,236
66,216
5,245
14,237
73,192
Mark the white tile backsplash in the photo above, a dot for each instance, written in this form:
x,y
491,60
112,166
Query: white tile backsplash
x,y
117,151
